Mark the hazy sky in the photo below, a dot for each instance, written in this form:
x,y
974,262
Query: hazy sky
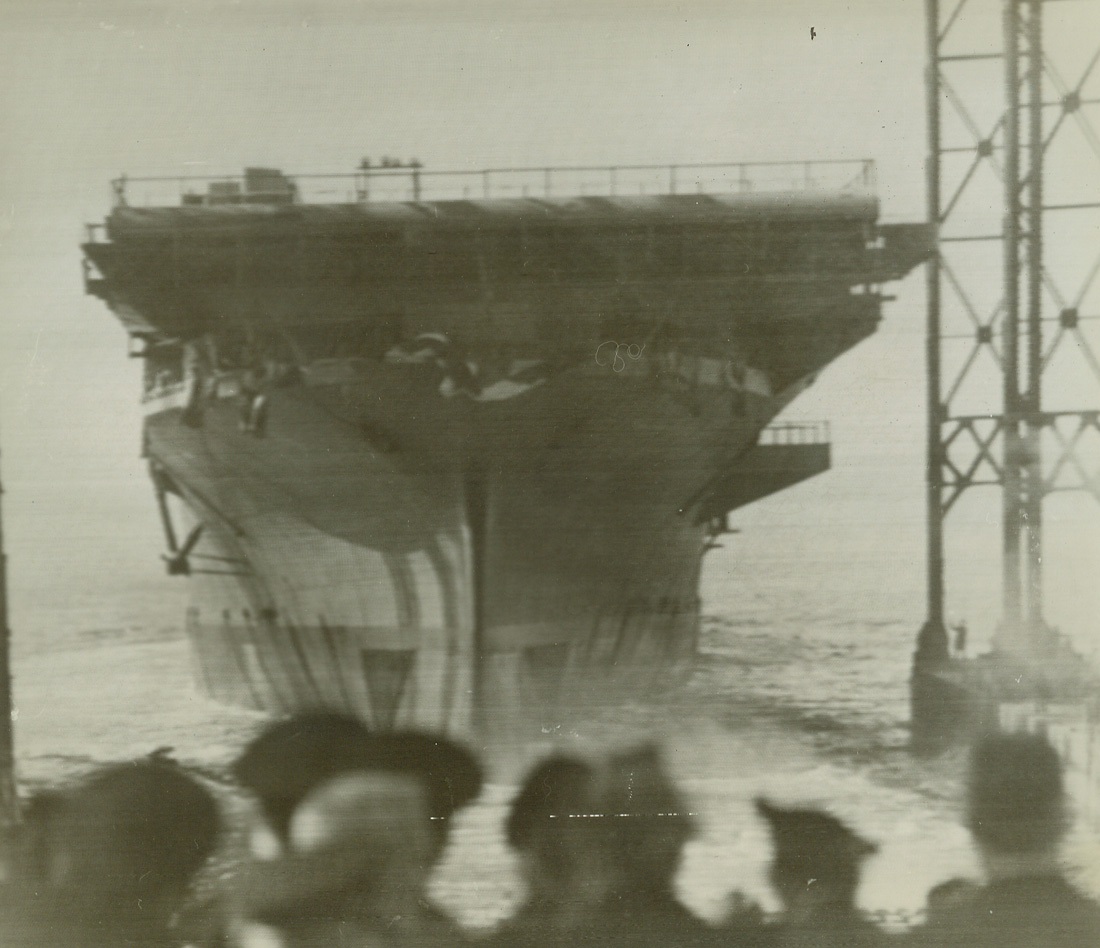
x,y
92,89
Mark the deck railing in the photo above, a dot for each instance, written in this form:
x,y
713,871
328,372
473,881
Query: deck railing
x,y
795,433
413,183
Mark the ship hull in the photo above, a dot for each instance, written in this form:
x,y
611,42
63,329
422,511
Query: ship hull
x,y
417,587
456,463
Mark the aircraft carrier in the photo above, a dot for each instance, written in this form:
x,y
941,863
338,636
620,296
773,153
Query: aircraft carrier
x,y
447,449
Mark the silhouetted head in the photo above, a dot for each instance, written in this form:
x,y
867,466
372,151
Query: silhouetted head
x,y
557,827
816,855
1015,801
127,841
290,758
448,772
549,815
649,823
293,758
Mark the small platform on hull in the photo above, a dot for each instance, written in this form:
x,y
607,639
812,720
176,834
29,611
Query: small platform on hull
x,y
784,456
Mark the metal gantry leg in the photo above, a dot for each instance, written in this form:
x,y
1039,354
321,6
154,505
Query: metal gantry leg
x,y
9,806
1000,442
1012,482
1032,499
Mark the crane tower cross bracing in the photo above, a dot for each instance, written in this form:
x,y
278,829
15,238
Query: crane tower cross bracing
x,y
1013,294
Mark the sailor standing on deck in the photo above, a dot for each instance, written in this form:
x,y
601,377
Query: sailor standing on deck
x,y
960,630
253,402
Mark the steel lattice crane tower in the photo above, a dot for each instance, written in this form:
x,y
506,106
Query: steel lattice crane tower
x,y
1000,116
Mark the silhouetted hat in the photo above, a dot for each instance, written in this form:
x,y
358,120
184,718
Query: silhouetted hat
x,y
1016,801
813,844
293,757
289,758
450,773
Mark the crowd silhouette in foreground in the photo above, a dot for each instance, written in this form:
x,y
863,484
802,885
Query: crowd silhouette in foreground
x,y
348,826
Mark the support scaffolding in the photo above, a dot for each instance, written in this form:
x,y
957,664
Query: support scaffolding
x,y
982,145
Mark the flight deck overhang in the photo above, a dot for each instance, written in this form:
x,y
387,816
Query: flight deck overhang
x,y
641,211
787,260
783,455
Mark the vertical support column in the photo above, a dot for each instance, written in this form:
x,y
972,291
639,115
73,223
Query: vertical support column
x,y
1009,638
8,800
1033,503
477,513
932,643
240,282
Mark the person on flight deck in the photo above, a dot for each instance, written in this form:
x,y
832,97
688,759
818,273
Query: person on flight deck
x,y
196,373
350,825
253,402
960,631
1017,815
